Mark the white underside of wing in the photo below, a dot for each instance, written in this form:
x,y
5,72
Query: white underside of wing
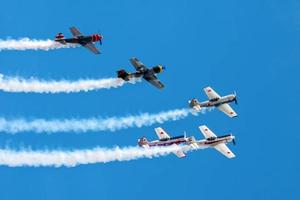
x,y
161,134
226,108
180,154
211,94
206,132
224,150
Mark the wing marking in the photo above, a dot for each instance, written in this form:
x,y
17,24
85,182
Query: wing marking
x,y
222,148
211,94
206,132
226,108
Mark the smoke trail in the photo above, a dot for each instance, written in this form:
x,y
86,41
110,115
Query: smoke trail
x,y
17,84
90,124
56,158
33,44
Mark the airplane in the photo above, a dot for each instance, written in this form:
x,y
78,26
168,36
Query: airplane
x,y
79,38
165,140
190,143
215,100
142,71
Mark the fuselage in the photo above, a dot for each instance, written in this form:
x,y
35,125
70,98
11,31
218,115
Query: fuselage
x,y
212,102
218,101
148,72
211,142
165,142
83,40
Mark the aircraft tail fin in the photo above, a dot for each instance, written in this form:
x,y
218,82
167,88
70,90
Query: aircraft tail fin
x,y
123,75
194,104
59,36
143,142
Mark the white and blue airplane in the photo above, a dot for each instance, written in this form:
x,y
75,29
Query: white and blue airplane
x,y
215,100
190,143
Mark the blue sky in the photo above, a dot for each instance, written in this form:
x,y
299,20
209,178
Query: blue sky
x,y
248,47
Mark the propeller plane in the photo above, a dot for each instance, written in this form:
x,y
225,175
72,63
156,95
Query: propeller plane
x,y
78,38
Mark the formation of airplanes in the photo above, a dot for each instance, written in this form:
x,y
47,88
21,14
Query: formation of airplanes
x,y
149,74
190,143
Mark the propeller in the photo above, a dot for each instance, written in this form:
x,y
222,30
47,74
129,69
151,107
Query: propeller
x,y
101,37
233,141
235,98
100,41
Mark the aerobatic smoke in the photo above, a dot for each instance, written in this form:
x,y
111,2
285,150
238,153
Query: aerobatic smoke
x,y
91,124
59,158
32,44
17,84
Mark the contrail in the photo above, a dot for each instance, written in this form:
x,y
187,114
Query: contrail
x,y
90,124
32,44
17,84
60,158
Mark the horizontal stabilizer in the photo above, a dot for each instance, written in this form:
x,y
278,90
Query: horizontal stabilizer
x,y
180,154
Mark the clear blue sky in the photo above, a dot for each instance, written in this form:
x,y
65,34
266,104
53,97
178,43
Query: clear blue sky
x,y
249,47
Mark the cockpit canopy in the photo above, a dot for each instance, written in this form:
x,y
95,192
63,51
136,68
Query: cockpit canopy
x,y
211,138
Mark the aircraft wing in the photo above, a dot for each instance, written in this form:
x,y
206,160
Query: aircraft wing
x,y
222,148
75,31
137,64
161,134
154,81
211,94
92,47
206,132
180,154
227,110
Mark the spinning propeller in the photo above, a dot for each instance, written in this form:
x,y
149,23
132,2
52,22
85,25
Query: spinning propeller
x,y
235,99
233,141
101,37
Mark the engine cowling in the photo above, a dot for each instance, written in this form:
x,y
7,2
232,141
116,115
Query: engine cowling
x,y
157,69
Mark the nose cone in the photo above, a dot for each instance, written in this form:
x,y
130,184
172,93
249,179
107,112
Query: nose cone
x,y
232,137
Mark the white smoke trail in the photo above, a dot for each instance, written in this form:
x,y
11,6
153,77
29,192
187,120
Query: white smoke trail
x,y
56,158
17,84
32,44
91,124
